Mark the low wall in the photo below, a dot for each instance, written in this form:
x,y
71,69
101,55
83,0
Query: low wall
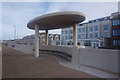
x,y
99,58
104,59
24,48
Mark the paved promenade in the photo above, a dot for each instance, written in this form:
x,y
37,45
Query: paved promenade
x,y
17,64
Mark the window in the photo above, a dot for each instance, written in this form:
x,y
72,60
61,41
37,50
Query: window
x,y
90,29
105,27
79,30
105,34
115,32
115,42
118,42
83,36
71,31
66,37
116,22
71,37
95,28
95,35
119,32
66,32
62,32
90,35
83,29
79,36
62,37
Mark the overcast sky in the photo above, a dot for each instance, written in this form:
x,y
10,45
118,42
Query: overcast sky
x,y
19,13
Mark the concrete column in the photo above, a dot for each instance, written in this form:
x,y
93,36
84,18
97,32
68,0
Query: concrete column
x,y
46,38
36,40
75,35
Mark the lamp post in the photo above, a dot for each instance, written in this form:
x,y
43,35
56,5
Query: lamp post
x,y
14,32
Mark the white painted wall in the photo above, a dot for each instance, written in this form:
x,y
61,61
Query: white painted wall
x,y
24,48
99,58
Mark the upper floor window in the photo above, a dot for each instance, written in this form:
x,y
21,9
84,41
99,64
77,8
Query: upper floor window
x,y
83,29
95,35
115,32
105,27
105,34
66,32
95,28
83,36
62,37
116,22
71,31
90,29
56,38
79,36
79,30
66,37
90,35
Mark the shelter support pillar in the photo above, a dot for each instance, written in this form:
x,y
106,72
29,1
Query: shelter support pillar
x,y
36,40
75,35
46,38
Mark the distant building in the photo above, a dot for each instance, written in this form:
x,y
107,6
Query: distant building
x,y
90,34
53,39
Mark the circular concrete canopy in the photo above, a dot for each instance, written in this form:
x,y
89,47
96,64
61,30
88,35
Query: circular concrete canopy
x,y
56,20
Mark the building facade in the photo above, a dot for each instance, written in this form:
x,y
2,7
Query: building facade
x,y
90,34
115,18
53,39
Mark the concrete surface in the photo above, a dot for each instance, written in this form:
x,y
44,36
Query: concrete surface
x,y
17,64
28,49
76,65
89,70
104,59
56,20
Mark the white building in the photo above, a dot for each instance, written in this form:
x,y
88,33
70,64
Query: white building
x,y
91,33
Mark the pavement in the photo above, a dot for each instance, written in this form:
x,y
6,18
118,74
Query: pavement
x,y
16,64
